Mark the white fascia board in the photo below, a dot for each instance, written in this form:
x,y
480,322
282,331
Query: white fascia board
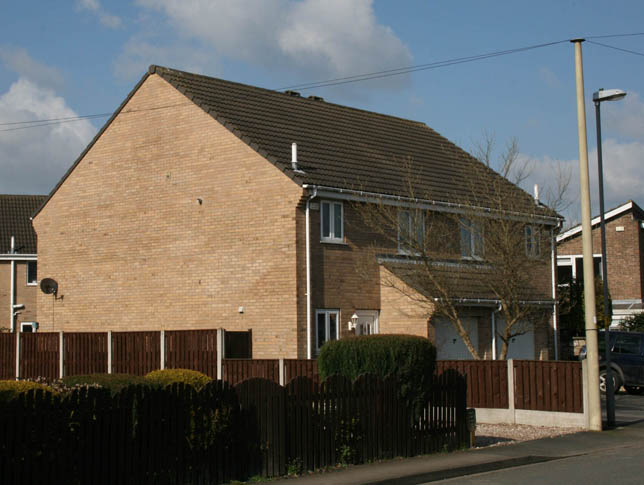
x,y
438,206
18,257
577,229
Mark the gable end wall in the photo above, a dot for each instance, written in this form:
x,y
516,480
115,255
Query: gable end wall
x,y
132,248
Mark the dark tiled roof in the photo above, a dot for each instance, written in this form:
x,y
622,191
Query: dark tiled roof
x,y
348,148
344,148
463,281
15,211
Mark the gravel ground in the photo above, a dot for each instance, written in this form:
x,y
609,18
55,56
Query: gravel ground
x,y
503,434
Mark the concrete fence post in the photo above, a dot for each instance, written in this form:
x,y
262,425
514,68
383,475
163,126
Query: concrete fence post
x,y
162,350
17,355
511,390
220,353
109,351
61,355
282,372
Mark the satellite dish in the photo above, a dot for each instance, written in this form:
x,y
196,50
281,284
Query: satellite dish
x,y
49,286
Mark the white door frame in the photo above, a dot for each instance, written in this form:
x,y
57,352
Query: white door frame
x,y
370,313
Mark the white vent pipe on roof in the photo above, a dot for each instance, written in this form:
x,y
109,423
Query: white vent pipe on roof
x,y
294,156
536,193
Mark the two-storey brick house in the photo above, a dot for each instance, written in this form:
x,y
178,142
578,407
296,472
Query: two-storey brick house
x,y
18,262
624,257
192,208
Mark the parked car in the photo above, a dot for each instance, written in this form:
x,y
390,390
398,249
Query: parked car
x,y
627,361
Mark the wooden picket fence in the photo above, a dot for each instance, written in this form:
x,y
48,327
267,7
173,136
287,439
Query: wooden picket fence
x,y
222,433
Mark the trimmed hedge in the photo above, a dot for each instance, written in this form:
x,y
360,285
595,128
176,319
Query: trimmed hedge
x,y
167,377
411,359
12,389
113,382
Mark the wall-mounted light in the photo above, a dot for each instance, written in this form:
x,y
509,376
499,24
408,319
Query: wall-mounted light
x,y
353,323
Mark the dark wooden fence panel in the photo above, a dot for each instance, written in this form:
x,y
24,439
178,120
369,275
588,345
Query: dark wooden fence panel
x,y
238,345
192,349
300,368
239,370
39,355
7,355
85,353
548,386
136,352
487,381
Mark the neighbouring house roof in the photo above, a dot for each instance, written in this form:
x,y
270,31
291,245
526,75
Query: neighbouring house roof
x,y
465,281
347,148
608,215
15,212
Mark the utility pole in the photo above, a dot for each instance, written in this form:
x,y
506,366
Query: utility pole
x,y
592,353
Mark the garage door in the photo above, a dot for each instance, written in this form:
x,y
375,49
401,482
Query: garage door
x,y
521,346
449,345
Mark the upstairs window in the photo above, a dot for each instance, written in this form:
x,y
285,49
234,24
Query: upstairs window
x,y
32,273
532,248
411,231
332,222
471,240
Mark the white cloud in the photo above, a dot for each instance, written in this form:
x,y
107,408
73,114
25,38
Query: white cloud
x,y
106,19
19,61
548,76
328,38
623,176
32,160
625,117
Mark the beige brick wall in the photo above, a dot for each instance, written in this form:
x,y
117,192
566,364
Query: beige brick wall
x,y
25,294
624,256
132,248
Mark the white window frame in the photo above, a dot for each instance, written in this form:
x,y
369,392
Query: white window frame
x,y
531,241
571,260
468,226
32,325
35,282
333,233
419,237
327,330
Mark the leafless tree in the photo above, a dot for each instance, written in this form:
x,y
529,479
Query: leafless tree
x,y
491,248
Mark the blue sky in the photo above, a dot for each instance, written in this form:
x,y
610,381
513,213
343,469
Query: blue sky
x,y
82,57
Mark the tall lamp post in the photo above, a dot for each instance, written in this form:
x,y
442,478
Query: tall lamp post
x,y
598,97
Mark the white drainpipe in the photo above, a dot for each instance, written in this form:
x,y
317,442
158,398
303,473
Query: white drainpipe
x,y
553,267
309,352
12,290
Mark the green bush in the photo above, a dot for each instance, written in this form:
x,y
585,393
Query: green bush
x,y
113,382
167,377
12,389
411,359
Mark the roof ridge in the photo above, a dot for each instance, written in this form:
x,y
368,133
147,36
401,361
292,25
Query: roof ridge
x,y
153,69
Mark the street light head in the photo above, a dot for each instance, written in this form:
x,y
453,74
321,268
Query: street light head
x,y
608,95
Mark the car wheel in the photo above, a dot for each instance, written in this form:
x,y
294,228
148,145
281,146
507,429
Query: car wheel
x,y
617,382
635,390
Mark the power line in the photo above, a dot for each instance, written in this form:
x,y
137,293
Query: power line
x,y
617,48
614,35
57,121
342,80
419,67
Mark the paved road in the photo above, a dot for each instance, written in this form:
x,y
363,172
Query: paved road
x,y
628,408
622,465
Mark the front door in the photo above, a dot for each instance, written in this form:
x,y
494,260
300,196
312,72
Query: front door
x,y
367,322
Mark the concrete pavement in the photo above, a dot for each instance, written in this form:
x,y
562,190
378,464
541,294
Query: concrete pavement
x,y
441,466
